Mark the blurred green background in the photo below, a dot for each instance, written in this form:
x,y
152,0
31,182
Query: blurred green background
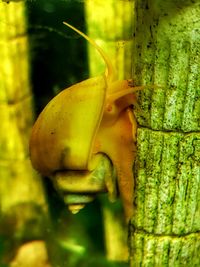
x,y
58,59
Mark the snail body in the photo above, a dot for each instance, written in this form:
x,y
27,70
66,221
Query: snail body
x,y
84,123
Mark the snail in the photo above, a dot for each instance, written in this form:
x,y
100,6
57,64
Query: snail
x,y
86,126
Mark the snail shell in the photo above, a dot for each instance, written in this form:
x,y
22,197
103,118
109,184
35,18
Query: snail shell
x,y
63,135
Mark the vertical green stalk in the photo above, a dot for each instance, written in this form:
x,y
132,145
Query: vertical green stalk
x,y
166,224
112,30
23,208
110,24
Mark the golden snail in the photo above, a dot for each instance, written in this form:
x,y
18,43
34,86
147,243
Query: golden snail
x,y
86,125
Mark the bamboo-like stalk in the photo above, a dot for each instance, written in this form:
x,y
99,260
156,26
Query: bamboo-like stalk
x,y
112,30
110,24
23,207
166,224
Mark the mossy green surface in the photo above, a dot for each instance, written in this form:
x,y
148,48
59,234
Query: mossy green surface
x,y
150,250
166,223
167,54
167,182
